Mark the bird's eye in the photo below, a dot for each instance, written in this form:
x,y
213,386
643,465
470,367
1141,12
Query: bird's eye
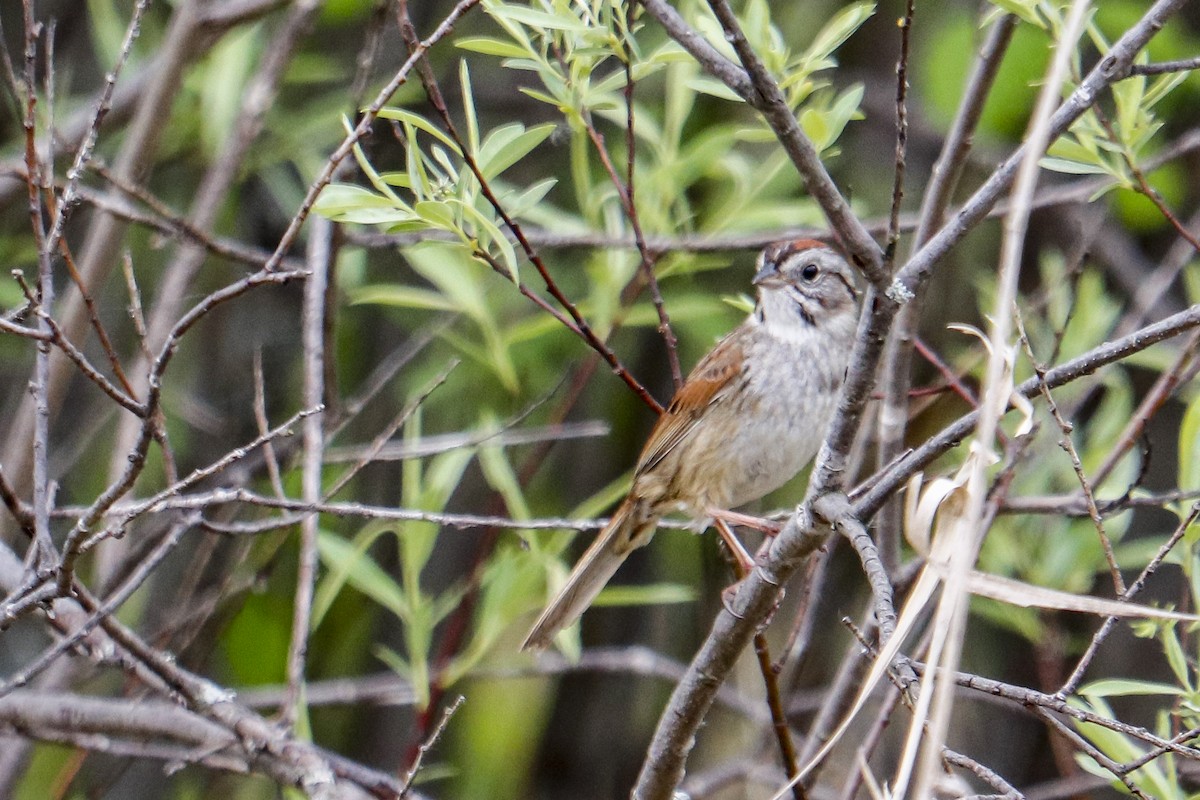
x,y
810,272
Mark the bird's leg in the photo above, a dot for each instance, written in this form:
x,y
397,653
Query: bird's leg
x,y
745,561
767,527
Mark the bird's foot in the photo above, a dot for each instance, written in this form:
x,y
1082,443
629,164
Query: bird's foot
x,y
767,527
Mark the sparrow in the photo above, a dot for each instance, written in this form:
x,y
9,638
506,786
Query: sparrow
x,y
747,419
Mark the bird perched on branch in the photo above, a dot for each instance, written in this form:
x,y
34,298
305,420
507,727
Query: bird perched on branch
x,y
747,419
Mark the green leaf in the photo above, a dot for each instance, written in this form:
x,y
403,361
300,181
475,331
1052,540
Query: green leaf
x,y
650,594
1189,447
533,18
1072,167
345,202
816,127
419,122
414,161
491,47
1122,687
368,169
742,302
1173,650
501,477
350,562
838,30
486,229
527,200
437,214
416,673
468,98
541,96
508,144
508,585
400,296
456,276
1023,9
399,179
714,88
229,66
443,476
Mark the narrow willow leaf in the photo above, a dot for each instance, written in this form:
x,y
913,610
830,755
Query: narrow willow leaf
x,y
487,228
350,562
400,296
536,19
1122,687
542,96
501,477
419,122
1072,167
816,127
525,201
437,214
649,594
468,99
491,47
418,177
512,148
1189,447
839,29
495,143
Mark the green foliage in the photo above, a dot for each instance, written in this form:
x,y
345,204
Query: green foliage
x,y
220,84
1189,450
444,195
1058,551
461,288
1159,778
1180,706
1112,147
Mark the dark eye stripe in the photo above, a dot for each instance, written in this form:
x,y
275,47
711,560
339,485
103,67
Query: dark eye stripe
x,y
849,286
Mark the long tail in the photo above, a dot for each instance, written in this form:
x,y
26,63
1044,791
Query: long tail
x,y
622,534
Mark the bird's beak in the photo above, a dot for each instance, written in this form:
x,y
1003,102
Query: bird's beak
x,y
767,275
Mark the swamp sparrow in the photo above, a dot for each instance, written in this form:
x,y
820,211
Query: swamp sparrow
x,y
749,417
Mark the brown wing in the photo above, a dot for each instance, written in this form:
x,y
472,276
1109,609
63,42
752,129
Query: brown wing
x,y
711,380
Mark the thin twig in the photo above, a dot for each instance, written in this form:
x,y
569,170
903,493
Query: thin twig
x,y
320,256
1081,666
770,676
756,86
42,549
1072,505
430,741
162,499
894,476
893,236
1161,67
369,454
84,151
113,602
1065,428
1180,371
